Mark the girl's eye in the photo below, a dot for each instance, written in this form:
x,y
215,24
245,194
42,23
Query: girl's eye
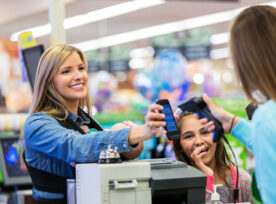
x,y
205,132
187,137
81,68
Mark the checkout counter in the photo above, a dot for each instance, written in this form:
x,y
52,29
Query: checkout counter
x,y
139,182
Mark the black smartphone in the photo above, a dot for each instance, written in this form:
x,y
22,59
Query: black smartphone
x,y
171,128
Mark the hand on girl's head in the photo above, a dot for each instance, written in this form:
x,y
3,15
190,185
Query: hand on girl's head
x,y
208,125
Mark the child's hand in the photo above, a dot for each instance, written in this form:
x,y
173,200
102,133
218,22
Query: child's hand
x,y
84,128
197,156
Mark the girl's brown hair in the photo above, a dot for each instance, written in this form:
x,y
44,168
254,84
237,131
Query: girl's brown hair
x,y
222,160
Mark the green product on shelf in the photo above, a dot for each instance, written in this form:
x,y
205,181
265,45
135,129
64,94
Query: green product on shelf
x,y
107,119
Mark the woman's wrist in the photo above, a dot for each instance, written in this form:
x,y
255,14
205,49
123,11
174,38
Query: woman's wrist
x,y
235,120
136,135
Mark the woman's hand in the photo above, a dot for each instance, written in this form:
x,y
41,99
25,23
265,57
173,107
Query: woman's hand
x,y
197,157
220,114
154,121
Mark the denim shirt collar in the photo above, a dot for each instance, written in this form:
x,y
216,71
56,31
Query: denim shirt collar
x,y
80,119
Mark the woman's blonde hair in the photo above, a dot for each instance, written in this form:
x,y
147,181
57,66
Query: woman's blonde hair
x,y
45,96
252,45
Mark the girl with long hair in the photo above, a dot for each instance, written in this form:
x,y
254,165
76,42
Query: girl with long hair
x,y
196,148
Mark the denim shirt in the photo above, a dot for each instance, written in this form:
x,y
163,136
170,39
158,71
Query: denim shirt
x,y
51,147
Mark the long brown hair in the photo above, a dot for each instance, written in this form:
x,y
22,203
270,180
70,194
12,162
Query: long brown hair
x,y
222,159
252,45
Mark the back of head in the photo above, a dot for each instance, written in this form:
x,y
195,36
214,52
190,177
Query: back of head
x,y
45,96
253,49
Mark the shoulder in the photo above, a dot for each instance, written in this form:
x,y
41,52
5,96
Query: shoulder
x,y
244,175
264,122
244,178
266,110
244,186
39,118
39,115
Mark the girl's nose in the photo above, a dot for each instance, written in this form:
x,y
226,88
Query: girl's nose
x,y
198,140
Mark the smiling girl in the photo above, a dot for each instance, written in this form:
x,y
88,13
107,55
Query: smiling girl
x,y
196,148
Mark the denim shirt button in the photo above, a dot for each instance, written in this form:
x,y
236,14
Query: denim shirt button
x,y
91,155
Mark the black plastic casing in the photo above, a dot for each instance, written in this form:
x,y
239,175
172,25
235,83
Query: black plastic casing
x,y
197,105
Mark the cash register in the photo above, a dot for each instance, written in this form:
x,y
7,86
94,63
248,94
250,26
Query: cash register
x,y
139,182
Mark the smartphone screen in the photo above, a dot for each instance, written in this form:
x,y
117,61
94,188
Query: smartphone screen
x,y
169,118
171,128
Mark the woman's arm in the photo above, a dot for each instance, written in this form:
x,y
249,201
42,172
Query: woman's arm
x,y
133,154
153,122
137,149
43,134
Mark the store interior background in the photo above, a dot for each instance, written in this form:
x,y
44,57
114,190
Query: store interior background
x,y
174,49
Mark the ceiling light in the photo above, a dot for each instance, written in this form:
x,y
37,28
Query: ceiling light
x,y
93,16
149,32
36,32
145,32
109,12
157,30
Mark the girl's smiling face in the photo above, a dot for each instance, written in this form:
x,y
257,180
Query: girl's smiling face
x,y
194,136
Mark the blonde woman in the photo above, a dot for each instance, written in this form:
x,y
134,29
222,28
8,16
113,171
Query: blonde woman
x,y
59,132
